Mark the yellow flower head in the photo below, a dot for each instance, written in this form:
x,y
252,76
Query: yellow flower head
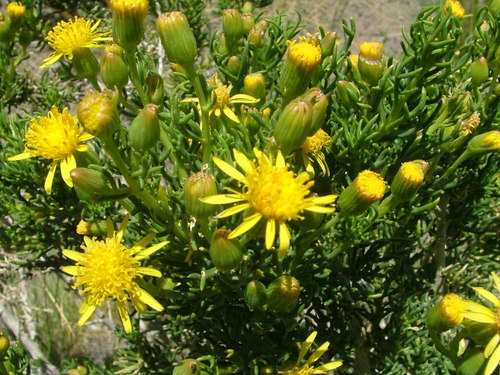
x,y
272,193
456,8
56,136
411,173
305,54
489,322
83,227
369,186
308,368
371,50
108,269
451,307
312,150
470,123
15,12
69,37
135,7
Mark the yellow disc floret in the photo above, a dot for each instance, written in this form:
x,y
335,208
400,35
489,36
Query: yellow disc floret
x,y
136,7
305,54
371,50
370,186
68,37
412,173
315,143
456,8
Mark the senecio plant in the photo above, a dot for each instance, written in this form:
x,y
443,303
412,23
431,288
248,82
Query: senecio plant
x,y
276,187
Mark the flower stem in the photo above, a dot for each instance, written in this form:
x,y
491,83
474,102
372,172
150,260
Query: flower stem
x,y
134,74
465,155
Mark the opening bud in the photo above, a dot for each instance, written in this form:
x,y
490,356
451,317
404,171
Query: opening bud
x,y
114,70
144,131
128,22
177,38
98,228
15,14
486,142
367,188
446,314
155,91
255,85
98,113
283,294
255,295
199,185
248,22
293,125
371,62
255,38
319,104
328,43
226,254
409,178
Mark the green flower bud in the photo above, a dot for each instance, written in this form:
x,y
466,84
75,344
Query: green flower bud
x,y
128,22
371,63
255,295
255,85
494,6
85,64
155,91
233,65
255,38
248,7
348,92
177,38
328,43
222,46
486,142
6,33
409,178
262,25
368,187
248,22
98,113
98,228
226,254
187,367
446,314
319,104
248,120
479,71
89,184
232,24
4,342
144,131
293,126
283,294
199,185
114,70
473,364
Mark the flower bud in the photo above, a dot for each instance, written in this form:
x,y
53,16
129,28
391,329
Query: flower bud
x,y
409,178
15,14
486,142
85,63
302,59
98,113
187,367
456,8
248,120
98,228
255,295
446,314
248,22
283,294
368,187
199,185
255,85
328,43
494,6
233,65
472,364
262,25
6,33
144,131
248,7
479,71
222,46
255,38
177,38
89,184
293,125
371,63
4,342
25,37
226,254
319,104
128,22
348,92
114,70
232,24
155,91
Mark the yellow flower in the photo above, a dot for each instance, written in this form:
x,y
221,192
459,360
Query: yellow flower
x,y
221,97
304,54
456,8
56,136
307,368
15,12
70,37
490,323
108,269
130,7
311,150
272,193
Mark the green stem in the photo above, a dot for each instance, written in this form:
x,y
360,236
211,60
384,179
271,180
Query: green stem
x,y
443,349
126,104
173,156
465,155
205,120
134,74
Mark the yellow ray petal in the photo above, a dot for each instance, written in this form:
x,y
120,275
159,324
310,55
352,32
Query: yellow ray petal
x,y
284,240
82,148
53,57
280,160
305,347
491,346
493,362
67,165
138,305
222,199
233,210
143,242
148,271
22,156
229,170
188,100
150,250
496,280
318,353
123,227
70,270
86,310
270,233
84,137
124,316
487,295
50,178
329,366
231,115
243,98
327,199
73,255
148,299
244,227
321,210
243,161
479,317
